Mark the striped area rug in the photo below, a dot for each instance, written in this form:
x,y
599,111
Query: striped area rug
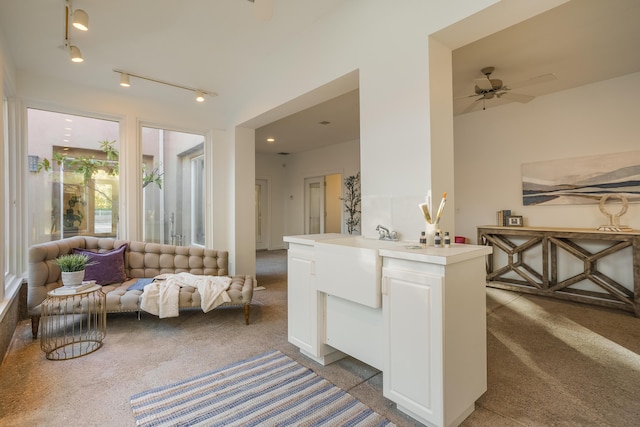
x,y
270,389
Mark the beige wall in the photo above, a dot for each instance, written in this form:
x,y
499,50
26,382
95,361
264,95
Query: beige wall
x,y
491,145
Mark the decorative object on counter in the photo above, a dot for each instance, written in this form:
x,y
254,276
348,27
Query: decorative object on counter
x,y
430,233
423,238
441,208
430,220
352,202
447,239
514,221
614,218
437,242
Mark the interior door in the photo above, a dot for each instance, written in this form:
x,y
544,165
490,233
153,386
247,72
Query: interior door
x,y
314,205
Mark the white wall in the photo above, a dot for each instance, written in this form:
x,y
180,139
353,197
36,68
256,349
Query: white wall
x,y
272,167
491,145
286,176
387,42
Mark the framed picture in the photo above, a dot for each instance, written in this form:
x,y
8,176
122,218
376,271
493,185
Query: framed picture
x,y
514,221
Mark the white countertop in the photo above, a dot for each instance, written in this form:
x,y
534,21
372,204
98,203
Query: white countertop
x,y
398,249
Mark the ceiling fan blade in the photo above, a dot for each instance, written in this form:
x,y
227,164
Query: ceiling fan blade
x,y
483,83
471,106
518,97
263,9
535,80
466,96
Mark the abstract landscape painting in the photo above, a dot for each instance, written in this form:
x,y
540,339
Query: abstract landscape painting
x,y
581,180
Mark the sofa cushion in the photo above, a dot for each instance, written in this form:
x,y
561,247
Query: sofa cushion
x,y
108,266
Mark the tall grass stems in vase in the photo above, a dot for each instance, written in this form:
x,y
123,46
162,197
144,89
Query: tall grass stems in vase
x,y
72,267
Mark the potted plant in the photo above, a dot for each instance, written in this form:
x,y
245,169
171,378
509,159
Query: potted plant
x,y
73,215
72,267
352,202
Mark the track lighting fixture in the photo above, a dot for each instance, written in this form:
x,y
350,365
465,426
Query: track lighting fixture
x,y
125,76
80,20
124,80
76,56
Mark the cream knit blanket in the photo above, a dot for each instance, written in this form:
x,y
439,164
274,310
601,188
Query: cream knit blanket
x,y
162,296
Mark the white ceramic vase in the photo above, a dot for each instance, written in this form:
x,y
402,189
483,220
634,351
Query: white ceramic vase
x,y
430,231
72,278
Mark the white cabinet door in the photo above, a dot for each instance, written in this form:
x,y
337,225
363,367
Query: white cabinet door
x,y
413,367
302,300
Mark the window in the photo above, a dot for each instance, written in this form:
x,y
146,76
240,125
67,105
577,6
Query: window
x,y
197,200
74,176
173,187
5,191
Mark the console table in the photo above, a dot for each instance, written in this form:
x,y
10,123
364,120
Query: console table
x,y
583,265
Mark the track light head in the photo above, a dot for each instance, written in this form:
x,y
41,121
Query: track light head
x,y
76,56
124,80
80,20
199,96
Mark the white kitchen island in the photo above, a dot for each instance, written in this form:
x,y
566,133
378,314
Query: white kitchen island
x,y
418,315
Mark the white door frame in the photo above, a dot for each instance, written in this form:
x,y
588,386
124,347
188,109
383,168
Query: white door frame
x,y
264,216
307,204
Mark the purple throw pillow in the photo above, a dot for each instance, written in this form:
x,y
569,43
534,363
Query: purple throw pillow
x,y
108,267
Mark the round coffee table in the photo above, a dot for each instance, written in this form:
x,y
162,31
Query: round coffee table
x,y
73,323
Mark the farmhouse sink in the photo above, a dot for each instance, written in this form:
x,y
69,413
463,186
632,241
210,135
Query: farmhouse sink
x,y
351,268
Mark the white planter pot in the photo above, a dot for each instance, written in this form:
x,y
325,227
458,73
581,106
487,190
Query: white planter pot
x,y
72,278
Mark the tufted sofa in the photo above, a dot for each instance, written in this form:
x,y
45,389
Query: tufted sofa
x,y
141,260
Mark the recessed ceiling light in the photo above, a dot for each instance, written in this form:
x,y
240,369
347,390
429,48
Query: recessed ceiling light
x,y
271,140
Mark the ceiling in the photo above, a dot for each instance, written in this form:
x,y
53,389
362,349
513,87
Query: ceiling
x,y
206,44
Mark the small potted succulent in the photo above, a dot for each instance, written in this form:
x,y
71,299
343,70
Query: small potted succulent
x,y
72,267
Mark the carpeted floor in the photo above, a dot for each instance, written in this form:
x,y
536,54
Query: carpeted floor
x,y
549,362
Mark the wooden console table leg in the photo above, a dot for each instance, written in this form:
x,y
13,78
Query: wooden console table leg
x,y
636,275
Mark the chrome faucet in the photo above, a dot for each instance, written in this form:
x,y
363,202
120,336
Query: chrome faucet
x,y
385,234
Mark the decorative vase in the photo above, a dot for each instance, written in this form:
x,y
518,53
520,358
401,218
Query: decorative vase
x,y
72,279
430,232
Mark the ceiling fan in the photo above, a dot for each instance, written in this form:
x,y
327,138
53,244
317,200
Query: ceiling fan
x,y
263,9
488,88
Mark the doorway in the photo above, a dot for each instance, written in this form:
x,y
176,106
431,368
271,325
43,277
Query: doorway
x,y
323,204
262,214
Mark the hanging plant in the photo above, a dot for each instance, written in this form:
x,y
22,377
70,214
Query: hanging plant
x,y
351,200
